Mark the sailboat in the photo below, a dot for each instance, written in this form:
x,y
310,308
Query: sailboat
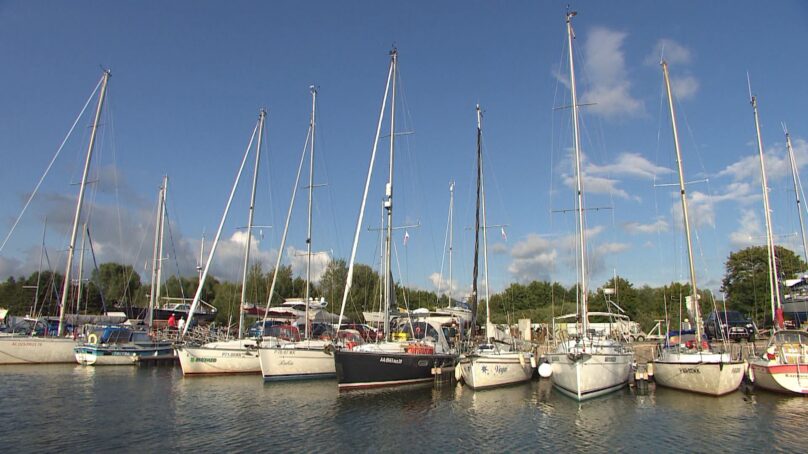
x,y
783,365
234,356
693,365
423,345
58,349
586,366
309,358
492,363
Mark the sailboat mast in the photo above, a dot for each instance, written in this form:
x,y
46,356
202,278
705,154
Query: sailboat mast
x,y
312,126
774,290
797,191
488,332
204,275
163,211
243,301
360,218
475,264
155,258
71,248
578,179
451,237
388,203
694,294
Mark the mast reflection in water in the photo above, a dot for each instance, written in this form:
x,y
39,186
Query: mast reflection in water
x,y
103,409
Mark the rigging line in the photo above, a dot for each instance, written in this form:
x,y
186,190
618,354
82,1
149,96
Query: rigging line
x,y
322,137
174,251
95,264
47,169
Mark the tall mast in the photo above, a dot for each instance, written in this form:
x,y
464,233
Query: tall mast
x,y
475,266
261,118
451,236
218,235
774,290
71,248
388,203
349,278
312,125
488,332
578,179
155,283
163,211
694,294
797,191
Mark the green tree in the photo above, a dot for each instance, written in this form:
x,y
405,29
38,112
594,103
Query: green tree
x,y
120,284
746,283
332,283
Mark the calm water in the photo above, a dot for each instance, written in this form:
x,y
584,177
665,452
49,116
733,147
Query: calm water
x,y
49,408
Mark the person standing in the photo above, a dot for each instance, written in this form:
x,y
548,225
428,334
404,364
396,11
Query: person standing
x,y
181,324
172,322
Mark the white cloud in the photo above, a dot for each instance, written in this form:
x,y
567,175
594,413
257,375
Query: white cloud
x,y
629,164
598,185
443,285
684,87
605,63
749,232
673,52
298,258
634,228
776,160
533,259
498,248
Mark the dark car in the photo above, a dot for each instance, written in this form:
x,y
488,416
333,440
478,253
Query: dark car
x,y
732,324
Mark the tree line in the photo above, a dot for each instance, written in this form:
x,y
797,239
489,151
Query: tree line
x,y
114,286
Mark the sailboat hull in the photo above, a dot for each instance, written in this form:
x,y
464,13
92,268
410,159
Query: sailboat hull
x,y
299,361
36,350
589,377
490,370
782,378
121,355
375,369
238,356
714,374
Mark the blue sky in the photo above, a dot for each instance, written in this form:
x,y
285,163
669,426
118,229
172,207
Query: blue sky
x,y
188,79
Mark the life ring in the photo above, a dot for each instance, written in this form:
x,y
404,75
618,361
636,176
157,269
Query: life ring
x,y
92,338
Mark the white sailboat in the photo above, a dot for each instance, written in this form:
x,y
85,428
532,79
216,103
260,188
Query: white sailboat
x,y
492,363
308,358
693,366
235,356
58,349
586,366
783,366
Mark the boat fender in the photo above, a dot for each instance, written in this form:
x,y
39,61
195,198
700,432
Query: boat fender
x,y
750,373
545,370
92,338
532,362
458,373
522,359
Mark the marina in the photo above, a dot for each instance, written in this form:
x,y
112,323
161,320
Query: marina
x,y
608,280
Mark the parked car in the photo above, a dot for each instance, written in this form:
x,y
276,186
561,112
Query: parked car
x,y
368,333
732,324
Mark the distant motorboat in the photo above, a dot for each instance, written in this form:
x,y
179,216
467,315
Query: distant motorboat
x,y
120,346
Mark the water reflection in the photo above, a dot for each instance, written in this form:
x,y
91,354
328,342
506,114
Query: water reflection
x,y
151,409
